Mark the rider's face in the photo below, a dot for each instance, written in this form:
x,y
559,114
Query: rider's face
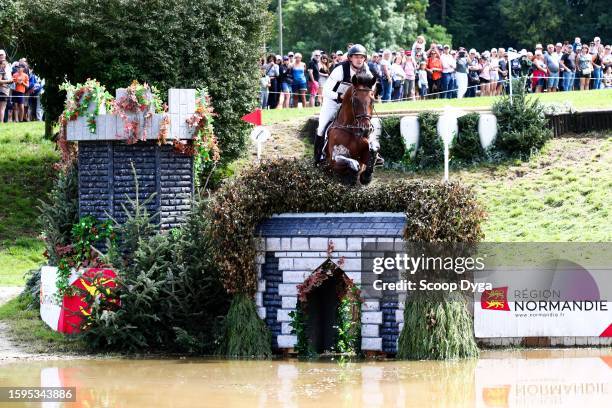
x,y
357,60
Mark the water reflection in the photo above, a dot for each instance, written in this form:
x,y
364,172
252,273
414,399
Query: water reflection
x,y
497,379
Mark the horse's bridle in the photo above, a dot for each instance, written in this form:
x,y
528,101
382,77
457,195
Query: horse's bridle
x,y
362,131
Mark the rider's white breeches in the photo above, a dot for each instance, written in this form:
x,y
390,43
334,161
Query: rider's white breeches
x,y
328,112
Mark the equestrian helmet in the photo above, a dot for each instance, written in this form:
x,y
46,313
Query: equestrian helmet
x,y
357,49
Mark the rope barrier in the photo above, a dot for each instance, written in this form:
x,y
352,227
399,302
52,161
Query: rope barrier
x,y
528,79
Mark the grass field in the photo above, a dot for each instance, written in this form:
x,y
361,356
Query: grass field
x,y
25,176
580,100
561,194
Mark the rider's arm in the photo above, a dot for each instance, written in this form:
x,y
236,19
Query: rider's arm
x,y
334,78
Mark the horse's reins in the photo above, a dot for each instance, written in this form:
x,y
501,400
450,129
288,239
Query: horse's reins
x,y
366,130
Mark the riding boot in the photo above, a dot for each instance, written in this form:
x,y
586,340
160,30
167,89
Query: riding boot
x,y
318,149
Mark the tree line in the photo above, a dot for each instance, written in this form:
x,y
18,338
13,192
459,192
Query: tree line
x,y
480,24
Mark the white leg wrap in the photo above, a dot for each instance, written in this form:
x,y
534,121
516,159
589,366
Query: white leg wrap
x,y
375,134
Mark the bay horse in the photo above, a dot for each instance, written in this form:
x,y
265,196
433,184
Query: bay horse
x,y
348,149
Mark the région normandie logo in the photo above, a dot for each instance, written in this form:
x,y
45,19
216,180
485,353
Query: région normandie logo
x,y
495,299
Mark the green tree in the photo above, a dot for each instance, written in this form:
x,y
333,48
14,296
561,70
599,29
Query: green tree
x,y
11,18
332,24
178,43
531,21
590,18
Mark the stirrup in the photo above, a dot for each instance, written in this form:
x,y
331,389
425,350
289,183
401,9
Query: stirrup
x,y
379,161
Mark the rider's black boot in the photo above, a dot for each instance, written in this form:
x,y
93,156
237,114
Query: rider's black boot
x,y
318,149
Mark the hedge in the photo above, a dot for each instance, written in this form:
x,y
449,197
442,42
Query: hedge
x,y
436,212
521,129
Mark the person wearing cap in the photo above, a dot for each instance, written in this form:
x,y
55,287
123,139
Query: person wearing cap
x,y
285,78
474,69
448,68
337,84
313,77
385,76
567,67
410,72
461,72
5,80
340,56
526,64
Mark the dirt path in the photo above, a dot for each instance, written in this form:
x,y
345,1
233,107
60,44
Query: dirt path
x,y
285,141
9,350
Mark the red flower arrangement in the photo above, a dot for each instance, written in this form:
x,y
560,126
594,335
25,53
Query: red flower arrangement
x,y
345,286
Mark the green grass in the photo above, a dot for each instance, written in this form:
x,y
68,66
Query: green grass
x,y
25,176
31,333
562,194
580,100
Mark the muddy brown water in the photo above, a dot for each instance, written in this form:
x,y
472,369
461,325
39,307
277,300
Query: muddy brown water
x,y
578,377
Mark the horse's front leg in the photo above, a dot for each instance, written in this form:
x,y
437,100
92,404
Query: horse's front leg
x,y
363,164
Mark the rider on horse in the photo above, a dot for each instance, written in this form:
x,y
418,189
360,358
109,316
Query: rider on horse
x,y
336,85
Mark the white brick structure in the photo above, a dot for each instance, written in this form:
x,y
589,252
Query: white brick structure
x,y
181,105
301,250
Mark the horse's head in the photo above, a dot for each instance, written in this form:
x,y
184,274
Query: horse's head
x,y
362,101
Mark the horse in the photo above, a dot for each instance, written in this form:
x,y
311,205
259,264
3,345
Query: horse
x,y
348,149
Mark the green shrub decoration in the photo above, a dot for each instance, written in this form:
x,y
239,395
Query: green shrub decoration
x,y
391,141
430,152
299,328
245,334
466,147
437,326
348,329
59,212
435,211
522,126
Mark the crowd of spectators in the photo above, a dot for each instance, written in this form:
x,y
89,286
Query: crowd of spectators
x,y
440,71
20,90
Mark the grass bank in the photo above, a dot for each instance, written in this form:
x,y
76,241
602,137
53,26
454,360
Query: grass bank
x,y
561,194
580,100
25,176
32,334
